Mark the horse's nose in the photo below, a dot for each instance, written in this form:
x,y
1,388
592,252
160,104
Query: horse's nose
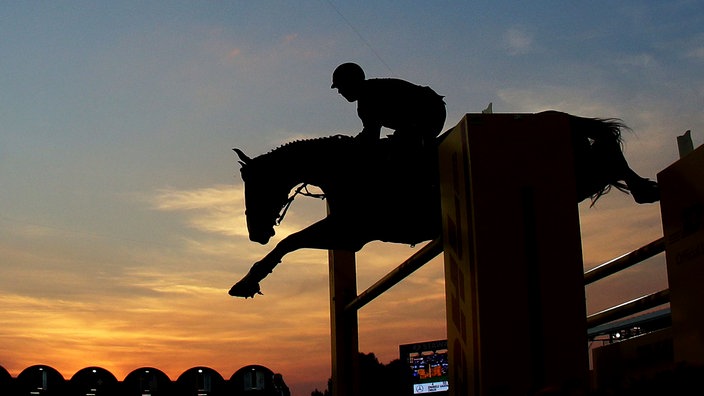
x,y
259,239
262,236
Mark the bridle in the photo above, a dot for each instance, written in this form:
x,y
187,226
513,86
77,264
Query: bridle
x,y
302,190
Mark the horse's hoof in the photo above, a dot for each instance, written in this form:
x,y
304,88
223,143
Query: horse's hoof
x,y
644,191
245,289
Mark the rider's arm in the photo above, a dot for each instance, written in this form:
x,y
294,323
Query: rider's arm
x,y
371,127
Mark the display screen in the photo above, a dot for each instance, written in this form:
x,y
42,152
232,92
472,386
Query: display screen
x,y
429,366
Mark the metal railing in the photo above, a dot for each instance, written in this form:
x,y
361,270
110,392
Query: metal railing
x,y
417,260
625,261
434,248
637,305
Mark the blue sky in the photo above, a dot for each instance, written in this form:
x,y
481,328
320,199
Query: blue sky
x,y
120,199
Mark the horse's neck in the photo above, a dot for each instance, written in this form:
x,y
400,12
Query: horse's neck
x,y
307,161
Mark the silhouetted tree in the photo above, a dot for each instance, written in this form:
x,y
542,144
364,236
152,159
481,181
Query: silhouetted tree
x,y
377,379
326,392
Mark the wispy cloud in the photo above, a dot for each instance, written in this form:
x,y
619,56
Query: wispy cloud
x,y
233,53
570,99
518,41
203,198
641,60
218,209
696,53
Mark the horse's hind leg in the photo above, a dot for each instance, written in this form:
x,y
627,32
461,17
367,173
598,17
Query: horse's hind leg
x,y
642,189
325,234
605,164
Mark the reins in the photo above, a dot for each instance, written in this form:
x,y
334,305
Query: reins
x,y
303,190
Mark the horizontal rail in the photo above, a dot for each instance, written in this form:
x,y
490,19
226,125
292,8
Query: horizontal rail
x,y
417,260
625,261
628,308
435,247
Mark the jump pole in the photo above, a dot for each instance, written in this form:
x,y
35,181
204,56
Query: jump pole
x,y
344,324
516,314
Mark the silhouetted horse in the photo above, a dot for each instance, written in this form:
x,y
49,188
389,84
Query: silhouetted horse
x,y
379,192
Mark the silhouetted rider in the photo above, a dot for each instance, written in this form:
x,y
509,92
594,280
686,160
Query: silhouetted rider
x,y
415,113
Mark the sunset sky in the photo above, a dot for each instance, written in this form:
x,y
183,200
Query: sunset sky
x,y
121,207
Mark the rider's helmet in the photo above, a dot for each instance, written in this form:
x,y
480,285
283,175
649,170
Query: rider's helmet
x,y
347,74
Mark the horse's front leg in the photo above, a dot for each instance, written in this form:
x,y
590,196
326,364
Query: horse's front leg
x,y
325,234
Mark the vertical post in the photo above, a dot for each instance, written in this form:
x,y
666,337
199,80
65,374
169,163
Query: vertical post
x,y
516,312
682,209
684,144
343,324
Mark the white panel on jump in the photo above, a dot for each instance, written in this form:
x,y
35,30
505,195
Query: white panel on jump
x,y
516,315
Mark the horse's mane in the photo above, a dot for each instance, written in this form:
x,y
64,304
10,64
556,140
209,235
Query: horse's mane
x,y
304,147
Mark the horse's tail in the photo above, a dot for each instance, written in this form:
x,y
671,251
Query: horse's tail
x,y
604,130
601,137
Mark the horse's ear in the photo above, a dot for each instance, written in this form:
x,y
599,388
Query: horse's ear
x,y
244,160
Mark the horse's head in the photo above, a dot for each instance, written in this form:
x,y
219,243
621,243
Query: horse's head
x,y
263,199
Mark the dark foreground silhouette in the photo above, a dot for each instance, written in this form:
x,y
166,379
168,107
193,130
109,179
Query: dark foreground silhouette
x,y
394,379
378,379
387,192
45,380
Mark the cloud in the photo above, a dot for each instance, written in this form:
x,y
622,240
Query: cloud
x,y
202,198
290,38
696,53
691,48
570,99
518,41
218,209
233,53
642,60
